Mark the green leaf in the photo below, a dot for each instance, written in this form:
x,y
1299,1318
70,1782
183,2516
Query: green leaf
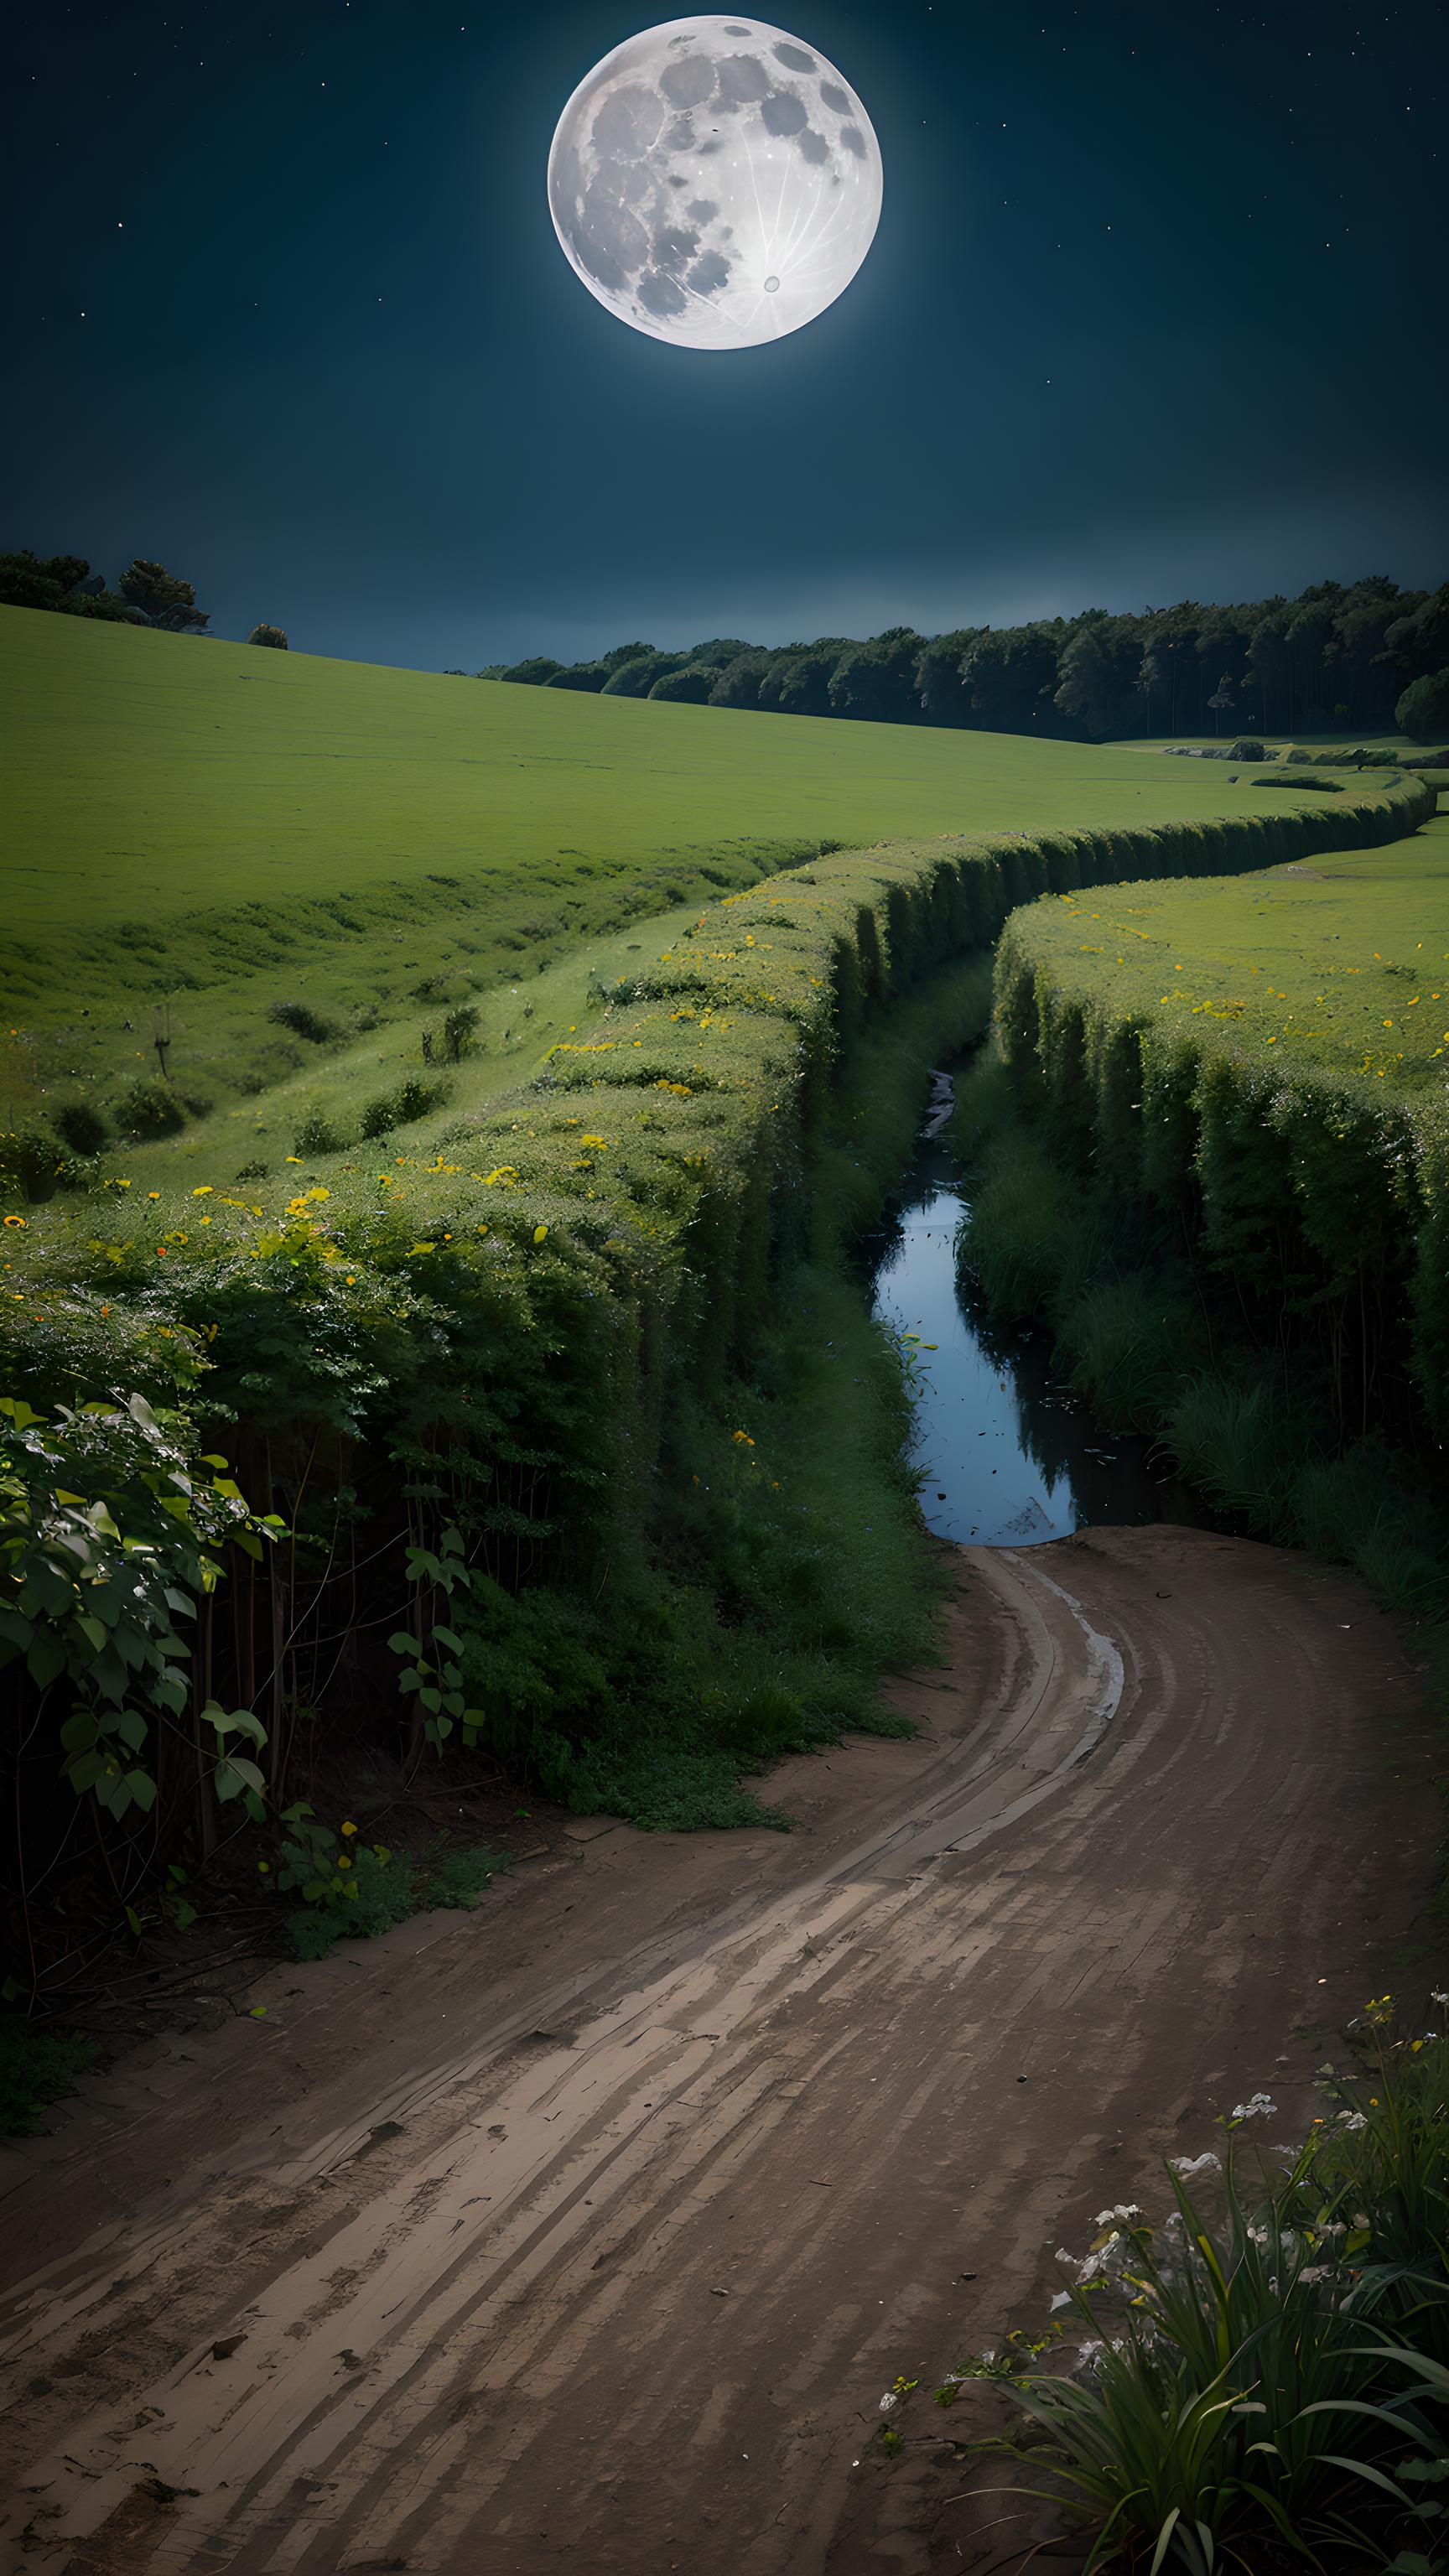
x,y
235,1721
445,1637
143,1790
92,1630
79,1732
183,1914
134,1919
46,1659
233,1774
402,1644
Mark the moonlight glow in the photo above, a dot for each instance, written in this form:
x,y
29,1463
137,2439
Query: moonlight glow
x,y
715,182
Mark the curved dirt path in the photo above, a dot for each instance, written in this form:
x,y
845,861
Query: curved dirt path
x,y
587,2231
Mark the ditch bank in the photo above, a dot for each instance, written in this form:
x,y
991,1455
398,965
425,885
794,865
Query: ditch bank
x,y
460,1392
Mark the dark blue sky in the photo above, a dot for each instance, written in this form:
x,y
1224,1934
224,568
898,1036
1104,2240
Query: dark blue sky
x,y
1157,308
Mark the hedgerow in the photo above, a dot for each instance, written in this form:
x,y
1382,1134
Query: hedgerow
x,y
528,1344
1321,1189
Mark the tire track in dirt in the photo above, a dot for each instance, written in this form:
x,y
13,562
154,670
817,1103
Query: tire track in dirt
x,y
666,2212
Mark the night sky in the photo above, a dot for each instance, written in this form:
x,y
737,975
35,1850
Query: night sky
x,y
1157,309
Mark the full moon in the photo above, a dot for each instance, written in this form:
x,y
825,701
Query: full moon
x,y
715,182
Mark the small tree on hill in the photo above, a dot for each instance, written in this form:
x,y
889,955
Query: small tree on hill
x,y
276,637
1221,700
534,672
163,599
689,687
1423,710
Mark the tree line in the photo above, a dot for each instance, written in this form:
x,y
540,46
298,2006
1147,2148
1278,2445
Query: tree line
x,y
1335,657
146,594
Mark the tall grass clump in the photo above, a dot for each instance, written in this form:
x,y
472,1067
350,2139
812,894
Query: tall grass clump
x,y
1260,2384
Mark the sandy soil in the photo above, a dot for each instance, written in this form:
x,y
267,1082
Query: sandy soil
x,y
586,2231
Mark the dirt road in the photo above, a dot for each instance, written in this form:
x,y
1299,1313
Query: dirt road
x,y
588,2230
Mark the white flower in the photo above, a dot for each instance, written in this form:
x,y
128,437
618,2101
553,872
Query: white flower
x,y
1196,2164
1063,2256
1353,2119
1435,1996
1124,2209
1316,2272
889,2400
1063,2299
1258,2106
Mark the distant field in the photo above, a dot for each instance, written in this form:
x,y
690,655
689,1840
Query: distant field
x,y
1343,963
223,829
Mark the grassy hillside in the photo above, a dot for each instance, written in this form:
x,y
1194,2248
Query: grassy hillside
x,y
238,829
1341,964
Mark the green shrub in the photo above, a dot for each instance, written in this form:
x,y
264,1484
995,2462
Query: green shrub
x,y
34,1166
1129,1341
587,677
304,1022
636,678
149,1109
81,1127
460,1031
1423,710
389,1887
413,1099
1241,1438
275,637
1315,786
316,1135
687,688
533,674
1018,1234
1247,748
37,2067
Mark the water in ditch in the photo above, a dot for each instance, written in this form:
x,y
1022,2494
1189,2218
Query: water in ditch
x,y
1010,1456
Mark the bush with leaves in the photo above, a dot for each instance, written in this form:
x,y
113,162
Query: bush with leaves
x,y
34,1166
161,597
276,637
1423,710
460,1031
80,1126
304,1022
111,1531
149,1109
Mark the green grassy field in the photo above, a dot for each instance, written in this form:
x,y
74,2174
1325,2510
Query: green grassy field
x,y
1343,964
234,829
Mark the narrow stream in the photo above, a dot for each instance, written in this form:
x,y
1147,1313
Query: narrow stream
x,y
1010,1455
